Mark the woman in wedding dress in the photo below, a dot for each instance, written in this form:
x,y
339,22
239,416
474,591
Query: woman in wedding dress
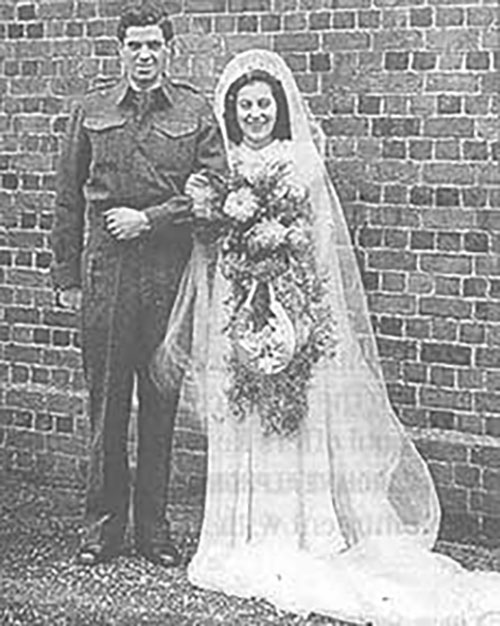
x,y
337,515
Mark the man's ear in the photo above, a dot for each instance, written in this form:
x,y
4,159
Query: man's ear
x,y
121,48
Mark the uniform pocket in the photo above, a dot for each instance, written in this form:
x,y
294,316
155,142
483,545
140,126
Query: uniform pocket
x,y
106,138
175,129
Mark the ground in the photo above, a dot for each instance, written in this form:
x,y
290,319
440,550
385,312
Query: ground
x,y
40,585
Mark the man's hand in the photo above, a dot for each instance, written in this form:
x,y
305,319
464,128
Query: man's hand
x,y
125,223
199,188
71,298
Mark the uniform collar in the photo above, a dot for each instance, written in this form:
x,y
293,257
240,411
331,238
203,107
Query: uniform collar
x,y
124,92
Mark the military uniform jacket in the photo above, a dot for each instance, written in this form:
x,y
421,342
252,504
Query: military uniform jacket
x,y
121,153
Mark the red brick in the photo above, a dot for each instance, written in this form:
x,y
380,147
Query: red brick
x,y
86,9
391,259
445,398
452,498
470,423
449,104
395,194
25,440
450,16
422,196
398,39
446,286
446,353
333,42
397,349
242,6
446,264
444,329
487,311
392,303
477,61
418,328
410,416
467,475
339,126
401,394
396,238
487,402
55,9
445,420
481,16
449,242
488,358
472,333
414,372
268,23
488,503
344,19
397,60
347,4
474,197
487,456
424,61
445,307
460,527
320,62
449,127
492,426
286,5
394,150
369,105
393,281
341,104
297,42
369,19
491,480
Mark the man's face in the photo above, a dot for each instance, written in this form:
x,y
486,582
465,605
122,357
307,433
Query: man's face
x,y
144,54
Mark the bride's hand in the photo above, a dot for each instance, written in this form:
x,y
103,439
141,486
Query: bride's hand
x,y
198,188
285,169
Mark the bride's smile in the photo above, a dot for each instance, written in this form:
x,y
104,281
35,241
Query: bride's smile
x,y
256,112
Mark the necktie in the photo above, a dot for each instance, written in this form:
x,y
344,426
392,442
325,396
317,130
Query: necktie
x,y
143,102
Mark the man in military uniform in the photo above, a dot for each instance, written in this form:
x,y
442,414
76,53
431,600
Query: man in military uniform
x,y
121,239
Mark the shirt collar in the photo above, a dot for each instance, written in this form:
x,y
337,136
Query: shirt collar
x,y
124,91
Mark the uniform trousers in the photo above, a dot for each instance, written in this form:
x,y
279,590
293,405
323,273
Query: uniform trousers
x,y
127,298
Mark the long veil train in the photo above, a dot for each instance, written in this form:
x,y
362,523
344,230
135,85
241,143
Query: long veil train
x,y
368,556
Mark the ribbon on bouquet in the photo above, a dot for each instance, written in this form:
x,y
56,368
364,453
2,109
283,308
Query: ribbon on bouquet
x,y
269,348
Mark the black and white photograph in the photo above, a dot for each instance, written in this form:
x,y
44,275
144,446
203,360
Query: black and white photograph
x,y
249,313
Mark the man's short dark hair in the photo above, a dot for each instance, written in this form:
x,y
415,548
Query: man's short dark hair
x,y
281,130
145,13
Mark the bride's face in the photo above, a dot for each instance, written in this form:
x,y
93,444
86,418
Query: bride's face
x,y
256,112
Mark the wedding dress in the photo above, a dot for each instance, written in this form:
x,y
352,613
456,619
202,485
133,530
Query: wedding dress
x,y
340,517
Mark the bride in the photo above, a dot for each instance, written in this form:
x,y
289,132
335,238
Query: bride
x,y
323,505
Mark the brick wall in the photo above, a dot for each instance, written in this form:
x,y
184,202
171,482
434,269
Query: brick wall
x,y
407,93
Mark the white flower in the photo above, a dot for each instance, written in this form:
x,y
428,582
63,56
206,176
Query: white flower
x,y
298,236
240,205
268,234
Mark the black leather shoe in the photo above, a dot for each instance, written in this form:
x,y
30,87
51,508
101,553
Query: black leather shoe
x,y
93,554
166,555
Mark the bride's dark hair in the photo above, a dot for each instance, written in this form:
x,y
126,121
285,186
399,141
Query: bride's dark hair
x,y
281,130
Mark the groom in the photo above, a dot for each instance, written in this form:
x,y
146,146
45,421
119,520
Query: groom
x,y
121,239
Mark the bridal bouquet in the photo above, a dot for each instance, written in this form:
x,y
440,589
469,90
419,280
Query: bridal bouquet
x,y
280,324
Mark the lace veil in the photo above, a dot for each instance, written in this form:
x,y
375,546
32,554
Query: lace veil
x,y
379,483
